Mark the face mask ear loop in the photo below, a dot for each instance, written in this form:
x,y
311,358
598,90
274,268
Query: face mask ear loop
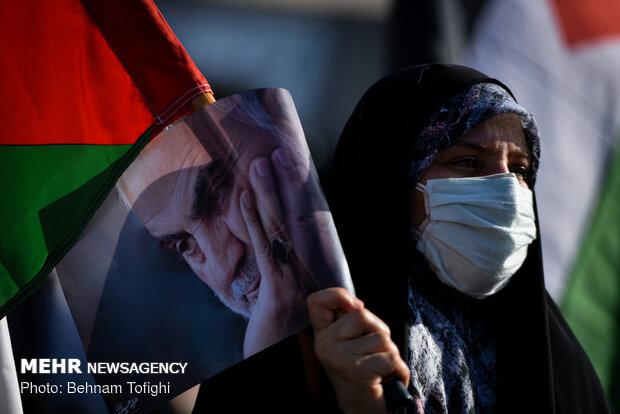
x,y
422,188
427,210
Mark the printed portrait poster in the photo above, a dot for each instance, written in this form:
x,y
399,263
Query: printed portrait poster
x,y
204,252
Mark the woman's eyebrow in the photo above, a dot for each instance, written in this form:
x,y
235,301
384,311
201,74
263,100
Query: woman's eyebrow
x,y
519,151
470,145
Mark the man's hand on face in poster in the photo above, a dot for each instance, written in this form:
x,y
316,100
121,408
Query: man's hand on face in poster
x,y
274,215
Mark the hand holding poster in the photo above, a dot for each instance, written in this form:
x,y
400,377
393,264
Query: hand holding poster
x,y
231,191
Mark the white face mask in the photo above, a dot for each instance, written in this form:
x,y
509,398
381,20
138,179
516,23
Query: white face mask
x,y
477,230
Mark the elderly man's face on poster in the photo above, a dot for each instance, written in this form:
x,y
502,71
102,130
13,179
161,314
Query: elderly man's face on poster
x,y
191,178
194,211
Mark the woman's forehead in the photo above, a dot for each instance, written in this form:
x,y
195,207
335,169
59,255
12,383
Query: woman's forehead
x,y
503,128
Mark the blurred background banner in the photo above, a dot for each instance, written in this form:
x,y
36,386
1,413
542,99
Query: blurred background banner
x,y
559,57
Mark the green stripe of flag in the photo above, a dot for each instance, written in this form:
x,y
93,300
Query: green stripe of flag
x,y
49,192
592,301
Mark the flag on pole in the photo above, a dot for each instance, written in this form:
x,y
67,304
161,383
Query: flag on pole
x,y
561,58
85,85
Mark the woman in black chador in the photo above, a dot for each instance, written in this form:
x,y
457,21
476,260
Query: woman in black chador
x,y
431,188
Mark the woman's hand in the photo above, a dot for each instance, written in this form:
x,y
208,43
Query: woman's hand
x,y
355,348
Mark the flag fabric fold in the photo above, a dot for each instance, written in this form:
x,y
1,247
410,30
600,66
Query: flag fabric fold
x,y
86,85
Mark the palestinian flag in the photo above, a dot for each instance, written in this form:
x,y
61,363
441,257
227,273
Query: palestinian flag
x,y
561,58
86,84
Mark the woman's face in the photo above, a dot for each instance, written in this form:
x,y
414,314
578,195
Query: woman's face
x,y
495,146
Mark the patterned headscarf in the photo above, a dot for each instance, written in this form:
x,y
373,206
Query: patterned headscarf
x,y
466,110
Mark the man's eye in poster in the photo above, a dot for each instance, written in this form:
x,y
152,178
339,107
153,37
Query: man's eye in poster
x,y
204,252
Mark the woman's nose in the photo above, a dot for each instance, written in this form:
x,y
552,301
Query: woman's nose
x,y
497,167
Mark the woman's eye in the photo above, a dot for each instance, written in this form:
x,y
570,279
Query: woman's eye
x,y
521,171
